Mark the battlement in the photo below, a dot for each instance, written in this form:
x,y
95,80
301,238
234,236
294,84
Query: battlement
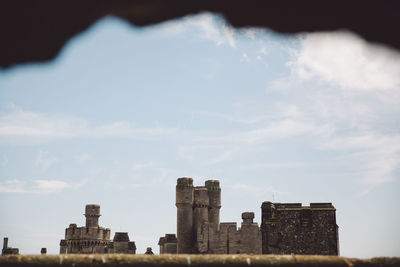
x,y
170,238
290,206
321,206
92,210
212,185
201,197
248,217
292,228
184,182
228,225
92,214
168,244
198,223
92,238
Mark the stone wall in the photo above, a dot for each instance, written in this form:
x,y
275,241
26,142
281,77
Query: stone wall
x,y
295,229
93,239
192,260
168,244
198,226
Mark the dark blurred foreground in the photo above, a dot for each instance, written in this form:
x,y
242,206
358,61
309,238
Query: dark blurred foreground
x,y
191,260
34,31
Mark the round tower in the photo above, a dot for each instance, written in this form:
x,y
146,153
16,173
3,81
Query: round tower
x,y
201,204
92,214
184,204
214,192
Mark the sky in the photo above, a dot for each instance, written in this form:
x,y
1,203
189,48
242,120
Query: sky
x,y
124,111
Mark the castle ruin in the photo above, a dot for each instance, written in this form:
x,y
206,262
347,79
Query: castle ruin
x,y
92,238
285,228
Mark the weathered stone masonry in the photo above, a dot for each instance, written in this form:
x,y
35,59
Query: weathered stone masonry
x,y
94,239
295,229
285,229
199,230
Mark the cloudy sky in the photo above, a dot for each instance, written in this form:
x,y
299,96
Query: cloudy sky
x,y
123,112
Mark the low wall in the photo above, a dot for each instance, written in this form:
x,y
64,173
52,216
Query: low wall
x,y
190,260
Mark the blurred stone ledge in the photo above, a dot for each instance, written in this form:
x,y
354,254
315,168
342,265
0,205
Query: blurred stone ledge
x,y
191,260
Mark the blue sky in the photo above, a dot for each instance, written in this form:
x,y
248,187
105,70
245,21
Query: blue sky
x,y
123,112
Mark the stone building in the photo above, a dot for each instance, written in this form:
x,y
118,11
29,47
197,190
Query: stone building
x,y
94,239
168,244
8,250
295,229
285,228
199,230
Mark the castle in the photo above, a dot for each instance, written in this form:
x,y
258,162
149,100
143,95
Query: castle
x,y
199,230
285,228
94,239
8,250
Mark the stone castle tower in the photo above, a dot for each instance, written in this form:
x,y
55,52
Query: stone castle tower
x,y
199,230
286,228
92,238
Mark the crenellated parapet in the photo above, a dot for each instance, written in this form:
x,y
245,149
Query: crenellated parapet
x,y
198,223
93,238
92,214
184,192
247,218
201,197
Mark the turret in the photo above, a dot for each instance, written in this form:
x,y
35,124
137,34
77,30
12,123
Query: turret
x,y
201,204
214,192
267,210
267,214
247,217
184,204
5,243
200,219
92,214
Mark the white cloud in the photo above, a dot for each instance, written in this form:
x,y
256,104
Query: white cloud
x,y
344,59
283,129
239,116
342,91
375,156
250,33
18,126
44,161
50,186
245,57
352,87
263,51
34,187
19,122
211,28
